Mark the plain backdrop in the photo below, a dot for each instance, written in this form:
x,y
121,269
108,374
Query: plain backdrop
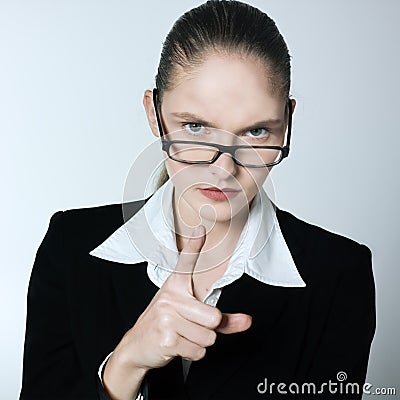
x,y
72,76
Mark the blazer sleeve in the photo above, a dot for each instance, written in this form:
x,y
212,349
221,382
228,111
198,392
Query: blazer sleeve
x,y
50,364
343,351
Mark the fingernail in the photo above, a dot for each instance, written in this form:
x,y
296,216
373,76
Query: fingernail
x,y
196,231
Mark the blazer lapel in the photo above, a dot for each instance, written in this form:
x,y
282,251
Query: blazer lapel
x,y
292,237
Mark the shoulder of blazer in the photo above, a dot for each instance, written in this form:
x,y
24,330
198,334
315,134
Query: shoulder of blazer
x,y
324,253
306,232
88,227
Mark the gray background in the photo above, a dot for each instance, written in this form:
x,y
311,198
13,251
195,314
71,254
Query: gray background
x,y
72,75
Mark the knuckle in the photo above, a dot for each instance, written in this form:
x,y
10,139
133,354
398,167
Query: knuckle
x,y
165,322
164,302
212,338
168,341
199,353
192,248
215,318
164,298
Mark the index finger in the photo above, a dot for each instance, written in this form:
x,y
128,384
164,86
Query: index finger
x,y
181,276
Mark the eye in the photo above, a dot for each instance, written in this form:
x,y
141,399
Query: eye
x,y
194,127
259,133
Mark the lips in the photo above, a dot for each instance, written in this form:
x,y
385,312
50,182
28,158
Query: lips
x,y
217,194
220,189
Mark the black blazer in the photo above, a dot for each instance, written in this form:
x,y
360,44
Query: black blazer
x,y
80,306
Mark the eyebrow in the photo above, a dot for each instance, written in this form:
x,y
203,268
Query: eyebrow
x,y
195,118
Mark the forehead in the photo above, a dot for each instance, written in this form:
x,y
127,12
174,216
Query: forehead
x,y
225,86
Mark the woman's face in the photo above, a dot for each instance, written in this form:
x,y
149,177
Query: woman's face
x,y
226,100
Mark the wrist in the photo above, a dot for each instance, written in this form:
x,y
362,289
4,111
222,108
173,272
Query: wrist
x,y
127,364
122,380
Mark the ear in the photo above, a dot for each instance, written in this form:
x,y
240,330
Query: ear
x,y
151,115
293,104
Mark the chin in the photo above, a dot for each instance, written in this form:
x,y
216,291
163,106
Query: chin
x,y
214,215
220,211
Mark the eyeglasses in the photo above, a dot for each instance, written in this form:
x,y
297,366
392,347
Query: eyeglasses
x,y
200,152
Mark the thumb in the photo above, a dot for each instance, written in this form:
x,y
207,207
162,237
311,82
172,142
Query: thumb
x,y
233,323
181,277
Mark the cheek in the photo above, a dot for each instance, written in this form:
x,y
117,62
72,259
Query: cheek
x,y
170,166
252,179
182,175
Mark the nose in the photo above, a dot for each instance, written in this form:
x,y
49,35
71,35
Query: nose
x,y
224,166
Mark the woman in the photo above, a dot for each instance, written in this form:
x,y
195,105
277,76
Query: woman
x,y
208,291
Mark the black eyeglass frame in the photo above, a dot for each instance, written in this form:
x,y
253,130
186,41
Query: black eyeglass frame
x,y
166,144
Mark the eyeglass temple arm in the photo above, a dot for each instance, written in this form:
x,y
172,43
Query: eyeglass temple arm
x,y
155,104
290,110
